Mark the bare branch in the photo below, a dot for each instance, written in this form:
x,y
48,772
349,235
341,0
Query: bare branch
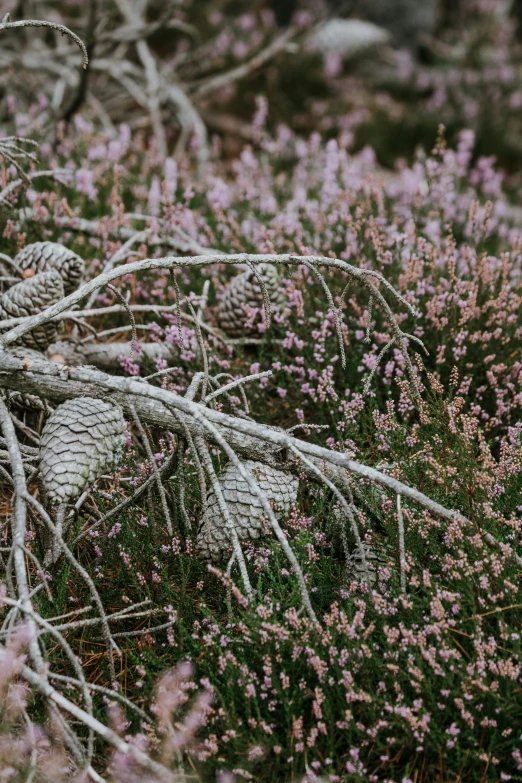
x,y
7,25
215,83
245,437
244,258
99,728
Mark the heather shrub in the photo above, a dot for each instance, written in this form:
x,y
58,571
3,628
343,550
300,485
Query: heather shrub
x,y
412,676
441,232
422,684
38,751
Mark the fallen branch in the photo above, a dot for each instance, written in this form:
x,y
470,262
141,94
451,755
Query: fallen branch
x,y
247,438
364,276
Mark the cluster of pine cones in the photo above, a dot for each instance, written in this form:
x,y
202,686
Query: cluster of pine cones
x,y
49,271
83,438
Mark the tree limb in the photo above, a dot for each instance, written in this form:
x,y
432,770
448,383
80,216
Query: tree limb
x,y
247,438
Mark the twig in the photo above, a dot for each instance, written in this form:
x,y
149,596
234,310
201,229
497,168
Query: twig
x,y
100,689
154,469
7,25
81,94
141,631
215,83
402,551
236,383
28,177
103,731
19,527
151,74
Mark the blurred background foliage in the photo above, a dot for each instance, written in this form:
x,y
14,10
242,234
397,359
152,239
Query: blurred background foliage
x,y
388,83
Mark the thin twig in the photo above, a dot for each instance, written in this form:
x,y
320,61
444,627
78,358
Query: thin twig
x,y
402,550
215,83
7,25
155,470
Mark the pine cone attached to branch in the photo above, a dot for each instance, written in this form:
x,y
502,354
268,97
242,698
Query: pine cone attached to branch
x,y
46,256
30,297
247,514
241,307
26,402
81,440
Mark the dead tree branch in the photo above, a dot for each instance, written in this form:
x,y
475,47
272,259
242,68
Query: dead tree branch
x,y
247,438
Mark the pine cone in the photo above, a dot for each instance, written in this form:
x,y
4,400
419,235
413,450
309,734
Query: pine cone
x,y
26,402
347,37
243,294
80,441
374,561
213,541
30,297
46,256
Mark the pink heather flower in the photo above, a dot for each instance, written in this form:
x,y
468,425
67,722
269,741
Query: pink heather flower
x,y
220,194
82,125
171,177
84,183
154,198
115,529
130,367
97,152
333,64
125,137
114,150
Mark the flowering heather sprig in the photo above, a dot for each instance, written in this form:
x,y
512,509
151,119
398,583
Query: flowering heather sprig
x,y
325,684
27,747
